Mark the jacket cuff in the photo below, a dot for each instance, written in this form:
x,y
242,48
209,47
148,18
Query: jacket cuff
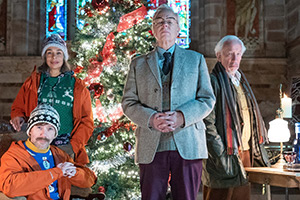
x,y
56,173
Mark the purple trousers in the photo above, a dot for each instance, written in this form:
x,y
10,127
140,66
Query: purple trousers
x,y
185,177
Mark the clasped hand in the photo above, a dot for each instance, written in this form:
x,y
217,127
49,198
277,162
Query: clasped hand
x,y
68,169
167,121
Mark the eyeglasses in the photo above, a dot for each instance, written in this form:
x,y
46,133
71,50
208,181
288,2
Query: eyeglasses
x,y
161,22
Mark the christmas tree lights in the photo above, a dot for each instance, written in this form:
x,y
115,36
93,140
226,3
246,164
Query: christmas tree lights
x,y
111,34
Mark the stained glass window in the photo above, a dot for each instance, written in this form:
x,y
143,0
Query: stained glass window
x,y
79,5
56,17
182,7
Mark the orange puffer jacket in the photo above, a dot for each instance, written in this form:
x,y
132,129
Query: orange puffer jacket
x,y
21,175
83,124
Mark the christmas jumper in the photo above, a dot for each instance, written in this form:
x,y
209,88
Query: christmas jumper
x,y
58,92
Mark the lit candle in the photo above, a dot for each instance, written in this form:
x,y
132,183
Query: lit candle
x,y
286,105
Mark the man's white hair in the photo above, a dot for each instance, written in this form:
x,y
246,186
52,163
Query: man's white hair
x,y
228,38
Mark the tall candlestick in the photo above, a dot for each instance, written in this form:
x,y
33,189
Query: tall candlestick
x,y
286,105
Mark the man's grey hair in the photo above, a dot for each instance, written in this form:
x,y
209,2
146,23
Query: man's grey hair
x,y
228,38
165,8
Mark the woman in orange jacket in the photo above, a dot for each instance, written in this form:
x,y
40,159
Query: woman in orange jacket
x,y
53,83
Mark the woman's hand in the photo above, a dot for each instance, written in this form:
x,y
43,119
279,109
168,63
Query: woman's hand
x,y
17,123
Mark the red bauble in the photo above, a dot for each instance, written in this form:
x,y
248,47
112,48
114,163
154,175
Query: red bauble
x,y
127,146
151,33
88,12
97,88
99,5
101,137
101,189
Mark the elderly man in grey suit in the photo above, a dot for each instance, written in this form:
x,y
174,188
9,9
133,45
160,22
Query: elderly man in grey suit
x,y
167,94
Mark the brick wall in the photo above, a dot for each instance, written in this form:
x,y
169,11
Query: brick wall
x,y
25,27
208,18
209,25
13,72
293,38
274,28
292,20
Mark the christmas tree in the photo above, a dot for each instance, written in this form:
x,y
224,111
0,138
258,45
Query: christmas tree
x,y
113,31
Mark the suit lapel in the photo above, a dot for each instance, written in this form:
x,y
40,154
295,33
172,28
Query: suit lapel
x,y
179,59
152,63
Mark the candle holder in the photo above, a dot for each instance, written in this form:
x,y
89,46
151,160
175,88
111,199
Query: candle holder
x,y
279,132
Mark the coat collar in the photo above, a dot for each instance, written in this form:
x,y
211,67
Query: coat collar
x,y
152,60
19,148
179,59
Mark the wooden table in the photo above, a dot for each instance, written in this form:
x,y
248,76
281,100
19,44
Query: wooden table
x,y
274,177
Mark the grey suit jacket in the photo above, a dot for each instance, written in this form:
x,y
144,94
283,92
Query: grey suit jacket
x,y
191,93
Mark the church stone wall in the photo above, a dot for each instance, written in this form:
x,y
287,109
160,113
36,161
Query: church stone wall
x,y
13,72
211,20
293,37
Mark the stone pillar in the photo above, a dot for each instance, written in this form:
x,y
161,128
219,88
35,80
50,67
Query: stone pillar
x,y
196,22
207,25
275,30
293,37
71,20
23,27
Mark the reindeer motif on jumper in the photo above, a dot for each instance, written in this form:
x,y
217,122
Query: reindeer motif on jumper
x,y
68,93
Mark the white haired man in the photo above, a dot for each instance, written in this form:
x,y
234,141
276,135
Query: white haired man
x,y
235,129
167,94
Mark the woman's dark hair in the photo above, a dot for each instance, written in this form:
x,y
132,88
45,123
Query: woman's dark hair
x,y
65,67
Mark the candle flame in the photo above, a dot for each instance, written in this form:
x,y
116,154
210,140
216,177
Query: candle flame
x,y
284,95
